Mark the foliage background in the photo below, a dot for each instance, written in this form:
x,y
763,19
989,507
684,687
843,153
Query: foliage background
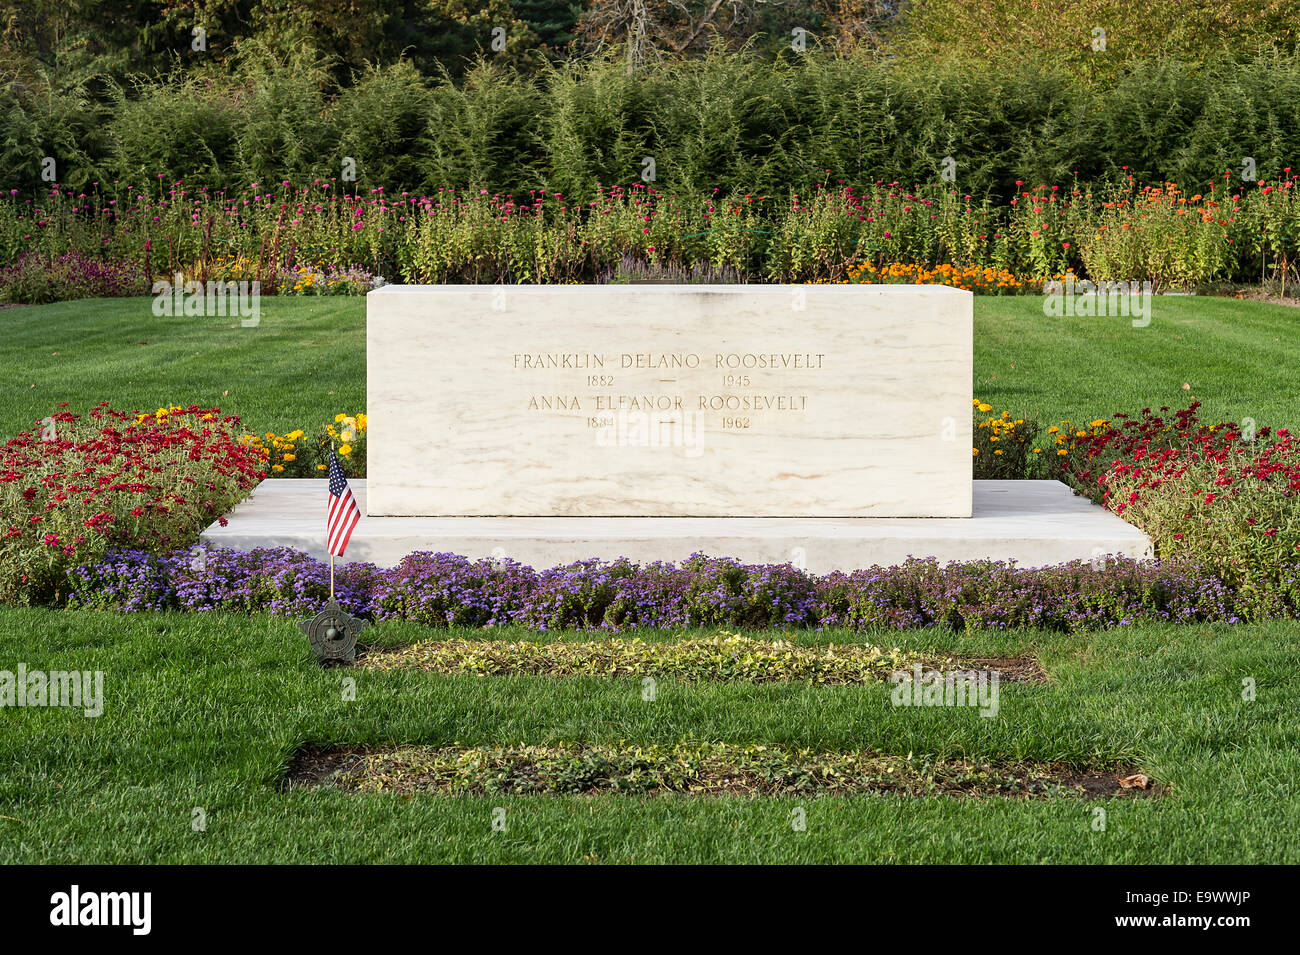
x,y
414,93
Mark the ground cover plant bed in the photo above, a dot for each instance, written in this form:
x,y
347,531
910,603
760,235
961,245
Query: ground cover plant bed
x,y
694,769
446,590
728,656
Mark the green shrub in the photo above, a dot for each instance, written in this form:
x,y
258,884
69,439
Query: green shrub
x,y
732,121
59,119
381,123
185,131
283,132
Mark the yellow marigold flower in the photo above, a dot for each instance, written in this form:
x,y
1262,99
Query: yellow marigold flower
x,y
1062,453
276,468
339,417
345,449
1038,450
986,408
361,422
320,467
999,451
1053,429
1099,423
291,457
974,452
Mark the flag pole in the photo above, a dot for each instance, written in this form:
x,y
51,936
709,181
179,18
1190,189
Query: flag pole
x,y
327,541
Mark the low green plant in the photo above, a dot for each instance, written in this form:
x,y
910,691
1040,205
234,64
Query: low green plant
x,y
695,769
728,656
39,278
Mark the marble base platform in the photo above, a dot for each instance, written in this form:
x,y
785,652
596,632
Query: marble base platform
x,y
1032,522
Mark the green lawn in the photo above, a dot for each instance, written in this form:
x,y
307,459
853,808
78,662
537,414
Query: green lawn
x,y
205,711
1233,353
306,360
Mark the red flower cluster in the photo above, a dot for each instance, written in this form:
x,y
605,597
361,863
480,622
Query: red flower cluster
x,y
73,487
1207,491
1148,441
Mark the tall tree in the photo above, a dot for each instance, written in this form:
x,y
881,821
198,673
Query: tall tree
x,y
553,21
642,29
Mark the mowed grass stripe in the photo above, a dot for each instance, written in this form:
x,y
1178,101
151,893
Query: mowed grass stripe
x,y
1082,368
304,362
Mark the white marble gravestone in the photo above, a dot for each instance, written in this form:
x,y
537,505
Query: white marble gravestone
x,y
669,401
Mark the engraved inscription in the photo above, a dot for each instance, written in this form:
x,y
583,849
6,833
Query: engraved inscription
x,y
727,387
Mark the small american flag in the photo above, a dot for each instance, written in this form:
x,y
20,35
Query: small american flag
x,y
343,513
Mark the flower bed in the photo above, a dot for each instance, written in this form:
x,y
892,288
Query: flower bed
x,y
75,487
108,495
305,278
295,455
1224,494
35,278
984,280
318,239
439,590
1004,446
1221,494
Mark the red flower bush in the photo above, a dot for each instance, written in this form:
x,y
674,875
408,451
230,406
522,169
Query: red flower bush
x,y
1209,492
1093,452
74,487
